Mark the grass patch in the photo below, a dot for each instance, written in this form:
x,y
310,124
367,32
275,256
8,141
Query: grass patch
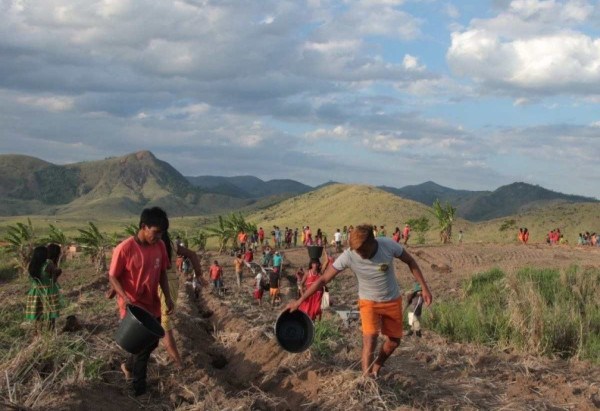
x,y
327,337
544,311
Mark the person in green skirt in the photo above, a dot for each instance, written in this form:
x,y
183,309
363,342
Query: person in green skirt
x,y
43,304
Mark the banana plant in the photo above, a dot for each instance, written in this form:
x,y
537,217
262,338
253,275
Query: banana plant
x,y
94,245
198,240
131,230
223,232
445,216
21,241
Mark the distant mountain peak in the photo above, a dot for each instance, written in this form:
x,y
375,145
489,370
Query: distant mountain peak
x,y
144,155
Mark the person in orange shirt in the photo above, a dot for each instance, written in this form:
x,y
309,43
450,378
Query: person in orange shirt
x,y
242,239
216,275
138,266
525,235
520,236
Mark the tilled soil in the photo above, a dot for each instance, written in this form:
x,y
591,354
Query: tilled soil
x,y
232,361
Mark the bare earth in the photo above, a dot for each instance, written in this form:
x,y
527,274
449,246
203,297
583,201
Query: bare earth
x,y
234,363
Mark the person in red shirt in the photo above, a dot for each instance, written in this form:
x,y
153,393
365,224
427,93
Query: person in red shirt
x,y
406,233
138,266
261,235
216,275
248,256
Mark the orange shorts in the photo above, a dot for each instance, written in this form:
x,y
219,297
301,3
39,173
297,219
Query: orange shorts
x,y
273,292
385,316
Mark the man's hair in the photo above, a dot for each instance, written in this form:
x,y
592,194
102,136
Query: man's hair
x,y
361,234
154,217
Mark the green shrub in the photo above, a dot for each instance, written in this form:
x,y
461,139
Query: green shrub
x,y
480,317
327,335
544,311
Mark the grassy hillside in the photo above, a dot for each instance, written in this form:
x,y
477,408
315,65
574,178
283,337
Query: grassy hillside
x,y
572,219
110,188
336,205
328,208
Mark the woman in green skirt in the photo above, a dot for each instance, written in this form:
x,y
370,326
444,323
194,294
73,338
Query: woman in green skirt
x,y
43,297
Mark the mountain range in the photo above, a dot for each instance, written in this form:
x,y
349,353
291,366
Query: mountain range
x,y
122,186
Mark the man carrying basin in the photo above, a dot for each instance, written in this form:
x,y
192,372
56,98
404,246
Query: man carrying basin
x,y
380,300
139,265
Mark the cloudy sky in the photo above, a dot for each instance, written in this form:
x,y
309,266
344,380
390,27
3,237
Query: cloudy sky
x,y
470,94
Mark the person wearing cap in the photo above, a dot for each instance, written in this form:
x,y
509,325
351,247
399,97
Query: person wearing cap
x,y
380,300
414,318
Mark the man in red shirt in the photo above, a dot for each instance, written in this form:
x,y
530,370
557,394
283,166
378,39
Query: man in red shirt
x,y
406,233
261,235
249,256
138,266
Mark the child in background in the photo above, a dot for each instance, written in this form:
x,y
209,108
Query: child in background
x,y
238,262
43,295
274,283
216,275
414,317
312,305
258,289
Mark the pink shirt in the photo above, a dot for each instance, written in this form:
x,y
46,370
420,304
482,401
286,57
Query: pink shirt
x,y
138,268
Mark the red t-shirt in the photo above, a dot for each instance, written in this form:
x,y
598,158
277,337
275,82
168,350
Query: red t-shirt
x,y
248,256
215,272
261,234
138,268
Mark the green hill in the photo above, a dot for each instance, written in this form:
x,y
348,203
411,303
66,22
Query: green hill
x,y
338,205
249,186
485,205
111,187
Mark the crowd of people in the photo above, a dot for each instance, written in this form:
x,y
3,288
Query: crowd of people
x,y
145,271
589,239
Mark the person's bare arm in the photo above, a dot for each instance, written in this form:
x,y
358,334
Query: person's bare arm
x,y
186,252
327,276
116,285
416,272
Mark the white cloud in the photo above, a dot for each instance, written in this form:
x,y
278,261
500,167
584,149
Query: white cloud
x,y
451,11
337,133
411,63
51,103
530,47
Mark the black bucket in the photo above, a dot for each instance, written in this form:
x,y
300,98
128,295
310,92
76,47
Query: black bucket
x,y
137,330
294,331
315,252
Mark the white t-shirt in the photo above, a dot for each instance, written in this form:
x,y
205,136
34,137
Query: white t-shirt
x,y
337,236
258,279
376,276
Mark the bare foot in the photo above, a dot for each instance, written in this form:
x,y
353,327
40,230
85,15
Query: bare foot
x,y
126,372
